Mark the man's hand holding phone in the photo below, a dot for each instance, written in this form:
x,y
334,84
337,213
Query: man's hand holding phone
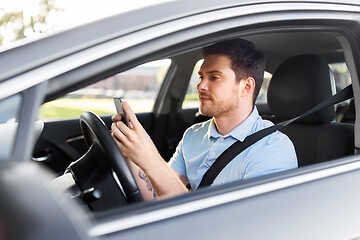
x,y
140,152
133,141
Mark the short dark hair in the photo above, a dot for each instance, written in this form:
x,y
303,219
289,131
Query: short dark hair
x,y
246,61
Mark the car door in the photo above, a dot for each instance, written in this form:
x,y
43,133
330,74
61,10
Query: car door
x,y
276,206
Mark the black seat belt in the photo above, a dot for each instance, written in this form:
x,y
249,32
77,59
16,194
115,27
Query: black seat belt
x,y
237,147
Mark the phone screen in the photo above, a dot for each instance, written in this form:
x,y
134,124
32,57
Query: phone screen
x,y
120,111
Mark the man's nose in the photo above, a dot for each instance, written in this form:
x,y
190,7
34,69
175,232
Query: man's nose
x,y
202,85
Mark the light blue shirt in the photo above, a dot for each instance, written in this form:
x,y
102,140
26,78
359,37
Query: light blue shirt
x,y
201,145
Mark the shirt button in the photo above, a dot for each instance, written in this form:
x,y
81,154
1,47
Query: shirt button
x,y
213,153
222,139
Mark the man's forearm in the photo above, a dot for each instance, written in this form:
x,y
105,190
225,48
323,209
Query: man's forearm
x,y
164,180
142,181
159,181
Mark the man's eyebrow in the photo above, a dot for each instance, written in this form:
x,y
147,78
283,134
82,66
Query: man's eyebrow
x,y
210,72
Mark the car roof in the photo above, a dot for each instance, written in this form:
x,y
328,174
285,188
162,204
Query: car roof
x,y
29,54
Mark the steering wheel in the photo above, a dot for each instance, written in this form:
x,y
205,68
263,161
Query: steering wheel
x,y
96,133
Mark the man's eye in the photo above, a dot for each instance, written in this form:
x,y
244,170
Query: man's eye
x,y
201,78
214,78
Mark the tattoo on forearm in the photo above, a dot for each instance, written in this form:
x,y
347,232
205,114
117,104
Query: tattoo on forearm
x,y
143,176
146,179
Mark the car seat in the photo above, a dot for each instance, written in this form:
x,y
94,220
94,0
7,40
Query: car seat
x,y
299,84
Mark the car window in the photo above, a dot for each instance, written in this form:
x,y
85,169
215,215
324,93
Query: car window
x,y
191,97
341,75
139,86
262,97
9,111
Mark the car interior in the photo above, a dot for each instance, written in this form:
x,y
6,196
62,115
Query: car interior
x,y
303,68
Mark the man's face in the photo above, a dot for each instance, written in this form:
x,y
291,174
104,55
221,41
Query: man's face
x,y
218,90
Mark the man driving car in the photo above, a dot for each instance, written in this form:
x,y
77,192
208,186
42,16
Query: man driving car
x,y
230,79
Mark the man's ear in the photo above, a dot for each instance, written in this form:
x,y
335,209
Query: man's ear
x,y
248,86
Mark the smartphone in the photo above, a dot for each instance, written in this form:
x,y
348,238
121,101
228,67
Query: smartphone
x,y
120,111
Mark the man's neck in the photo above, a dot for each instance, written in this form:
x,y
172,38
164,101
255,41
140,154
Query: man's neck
x,y
225,124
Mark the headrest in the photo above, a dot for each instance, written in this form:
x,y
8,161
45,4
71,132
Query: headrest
x,y
299,84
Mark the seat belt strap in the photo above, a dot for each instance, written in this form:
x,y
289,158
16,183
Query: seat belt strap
x,y
237,147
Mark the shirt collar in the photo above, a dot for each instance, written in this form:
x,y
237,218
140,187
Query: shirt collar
x,y
240,132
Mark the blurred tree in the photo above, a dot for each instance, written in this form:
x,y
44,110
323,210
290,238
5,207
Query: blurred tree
x,y
21,25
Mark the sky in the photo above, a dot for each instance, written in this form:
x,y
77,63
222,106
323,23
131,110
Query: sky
x,y
75,12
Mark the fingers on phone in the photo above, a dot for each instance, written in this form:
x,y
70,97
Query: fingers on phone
x,y
129,113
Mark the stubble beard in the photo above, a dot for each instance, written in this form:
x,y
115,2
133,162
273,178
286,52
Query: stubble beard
x,y
219,108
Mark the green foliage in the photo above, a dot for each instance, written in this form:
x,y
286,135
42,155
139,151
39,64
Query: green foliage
x,y
19,26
